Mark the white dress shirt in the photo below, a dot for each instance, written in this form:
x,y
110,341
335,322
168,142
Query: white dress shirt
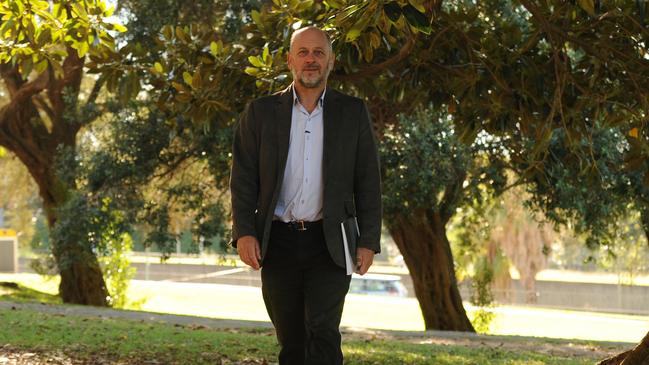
x,y
300,197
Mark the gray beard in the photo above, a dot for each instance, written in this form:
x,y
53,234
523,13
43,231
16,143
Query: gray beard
x,y
311,84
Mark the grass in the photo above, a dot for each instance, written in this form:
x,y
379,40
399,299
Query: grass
x,y
100,339
362,311
127,341
19,293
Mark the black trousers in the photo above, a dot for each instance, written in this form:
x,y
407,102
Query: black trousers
x,y
304,292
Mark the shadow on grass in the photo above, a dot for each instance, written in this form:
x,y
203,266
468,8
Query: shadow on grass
x,y
19,293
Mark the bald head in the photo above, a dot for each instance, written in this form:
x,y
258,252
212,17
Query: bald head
x,y
311,29
310,57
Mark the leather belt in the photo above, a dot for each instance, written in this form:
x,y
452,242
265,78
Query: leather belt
x,y
299,225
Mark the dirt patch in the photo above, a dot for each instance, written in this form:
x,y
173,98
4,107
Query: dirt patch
x,y
14,356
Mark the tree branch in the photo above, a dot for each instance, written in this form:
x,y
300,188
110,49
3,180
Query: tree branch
x,y
11,77
375,69
24,93
452,194
95,90
40,102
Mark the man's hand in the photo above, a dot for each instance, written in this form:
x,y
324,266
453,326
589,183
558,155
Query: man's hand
x,y
364,259
249,251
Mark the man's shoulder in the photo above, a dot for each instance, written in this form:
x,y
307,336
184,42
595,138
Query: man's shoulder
x,y
268,100
343,98
265,100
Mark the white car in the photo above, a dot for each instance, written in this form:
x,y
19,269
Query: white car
x,y
378,284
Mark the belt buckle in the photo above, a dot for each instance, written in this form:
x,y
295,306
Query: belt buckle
x,y
299,225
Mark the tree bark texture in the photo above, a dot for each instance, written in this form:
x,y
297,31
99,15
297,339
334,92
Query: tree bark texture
x,y
421,238
32,126
638,356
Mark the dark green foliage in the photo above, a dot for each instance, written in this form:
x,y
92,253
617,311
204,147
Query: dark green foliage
x,y
134,178
588,188
425,166
420,158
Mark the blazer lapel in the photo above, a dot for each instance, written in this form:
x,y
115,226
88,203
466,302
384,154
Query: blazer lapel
x,y
283,110
331,120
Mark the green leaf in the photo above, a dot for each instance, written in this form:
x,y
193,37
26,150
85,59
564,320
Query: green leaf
x,y
252,71
158,67
42,5
178,86
9,24
167,32
256,17
78,9
352,34
254,60
357,28
588,6
417,5
182,35
216,48
44,14
82,48
44,36
109,12
187,77
392,10
334,4
197,80
266,56
120,28
416,19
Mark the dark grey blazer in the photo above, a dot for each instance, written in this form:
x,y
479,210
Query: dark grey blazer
x,y
350,169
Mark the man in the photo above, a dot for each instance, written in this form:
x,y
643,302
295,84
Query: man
x,y
304,160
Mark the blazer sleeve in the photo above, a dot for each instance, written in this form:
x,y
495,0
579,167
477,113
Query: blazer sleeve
x,y
244,177
367,184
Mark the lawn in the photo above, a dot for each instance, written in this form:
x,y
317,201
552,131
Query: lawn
x,y
41,336
110,340
363,311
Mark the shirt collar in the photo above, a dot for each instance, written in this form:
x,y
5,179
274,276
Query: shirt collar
x,y
296,99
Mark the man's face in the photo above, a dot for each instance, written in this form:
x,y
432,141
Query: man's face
x,y
310,59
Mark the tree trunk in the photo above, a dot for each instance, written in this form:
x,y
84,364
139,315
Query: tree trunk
x,y
422,240
82,281
35,142
638,356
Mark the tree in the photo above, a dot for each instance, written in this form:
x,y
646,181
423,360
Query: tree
x,y
529,73
392,51
43,55
428,174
